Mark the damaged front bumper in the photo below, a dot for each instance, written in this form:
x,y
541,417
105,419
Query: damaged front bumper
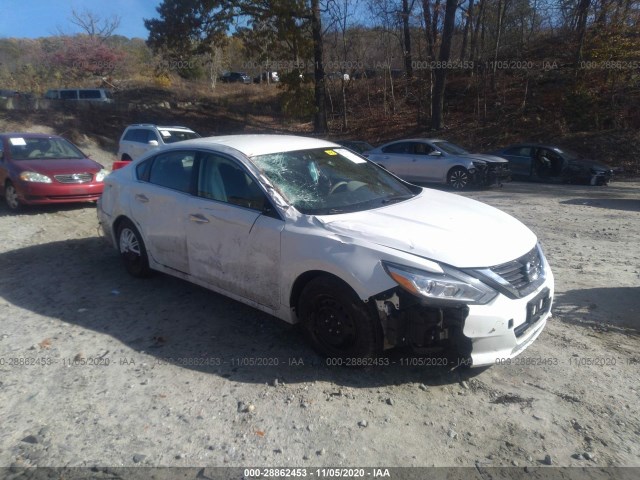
x,y
479,334
490,174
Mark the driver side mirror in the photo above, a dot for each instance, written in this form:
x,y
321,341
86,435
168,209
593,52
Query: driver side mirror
x,y
153,143
435,153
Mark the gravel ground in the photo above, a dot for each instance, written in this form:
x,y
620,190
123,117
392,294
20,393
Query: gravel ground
x,y
86,377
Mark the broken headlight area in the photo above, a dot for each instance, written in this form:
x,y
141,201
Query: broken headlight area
x,y
409,321
451,285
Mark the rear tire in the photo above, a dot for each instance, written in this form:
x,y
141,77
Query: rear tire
x,y
458,178
132,250
337,323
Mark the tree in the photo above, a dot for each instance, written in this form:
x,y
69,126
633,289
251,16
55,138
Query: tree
x,y
443,58
189,27
94,25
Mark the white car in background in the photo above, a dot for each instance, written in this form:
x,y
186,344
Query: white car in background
x,y
136,140
311,232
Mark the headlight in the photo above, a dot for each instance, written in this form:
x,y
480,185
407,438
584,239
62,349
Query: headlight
x,y
101,174
450,286
34,177
480,165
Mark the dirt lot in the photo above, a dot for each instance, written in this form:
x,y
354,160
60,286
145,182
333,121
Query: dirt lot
x,y
85,377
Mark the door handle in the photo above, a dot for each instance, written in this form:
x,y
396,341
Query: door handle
x,y
198,218
141,198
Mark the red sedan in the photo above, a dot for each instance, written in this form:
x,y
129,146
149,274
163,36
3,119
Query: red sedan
x,y
37,169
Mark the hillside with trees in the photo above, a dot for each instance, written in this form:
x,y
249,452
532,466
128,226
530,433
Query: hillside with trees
x,y
483,72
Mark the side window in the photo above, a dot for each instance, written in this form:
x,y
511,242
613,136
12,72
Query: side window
x,y
519,151
69,94
223,180
130,136
138,135
142,170
151,135
173,170
90,94
400,147
422,148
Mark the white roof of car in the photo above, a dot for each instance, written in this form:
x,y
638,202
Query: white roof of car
x,y
259,144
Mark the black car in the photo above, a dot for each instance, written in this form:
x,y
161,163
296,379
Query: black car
x,y
550,163
235,77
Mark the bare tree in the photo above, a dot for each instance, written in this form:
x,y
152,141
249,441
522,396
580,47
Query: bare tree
x,y
443,58
95,25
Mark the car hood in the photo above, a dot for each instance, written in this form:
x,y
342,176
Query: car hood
x,y
59,166
439,226
484,157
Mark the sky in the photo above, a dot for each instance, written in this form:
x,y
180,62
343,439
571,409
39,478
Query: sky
x,y
43,18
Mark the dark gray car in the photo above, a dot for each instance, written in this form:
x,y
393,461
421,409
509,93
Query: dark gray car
x,y
550,163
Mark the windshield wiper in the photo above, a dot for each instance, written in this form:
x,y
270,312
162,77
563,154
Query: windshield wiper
x,y
396,198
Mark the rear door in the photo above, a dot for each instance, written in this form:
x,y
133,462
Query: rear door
x,y
397,158
160,203
232,243
428,167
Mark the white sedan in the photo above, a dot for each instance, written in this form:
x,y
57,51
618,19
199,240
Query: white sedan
x,y
311,232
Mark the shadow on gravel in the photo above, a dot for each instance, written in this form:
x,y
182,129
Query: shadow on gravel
x,y
591,307
82,282
625,204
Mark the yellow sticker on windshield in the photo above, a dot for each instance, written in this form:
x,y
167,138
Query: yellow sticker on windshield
x,y
330,152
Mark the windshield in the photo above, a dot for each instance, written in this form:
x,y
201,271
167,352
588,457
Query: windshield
x,y
42,148
173,136
328,181
450,148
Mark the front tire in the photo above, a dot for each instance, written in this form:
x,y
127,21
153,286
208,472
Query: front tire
x,y
132,250
11,197
458,178
336,322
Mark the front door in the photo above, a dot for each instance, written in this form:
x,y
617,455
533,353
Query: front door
x,y
232,243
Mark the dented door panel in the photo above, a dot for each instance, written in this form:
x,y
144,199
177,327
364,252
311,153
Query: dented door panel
x,y
234,248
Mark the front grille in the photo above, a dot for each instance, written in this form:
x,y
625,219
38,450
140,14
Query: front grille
x,y
74,178
522,272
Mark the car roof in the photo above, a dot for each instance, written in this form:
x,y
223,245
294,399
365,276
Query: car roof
x,y
260,144
418,140
164,127
27,135
534,145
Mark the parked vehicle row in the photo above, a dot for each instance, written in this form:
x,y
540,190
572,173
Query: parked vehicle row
x,y
438,161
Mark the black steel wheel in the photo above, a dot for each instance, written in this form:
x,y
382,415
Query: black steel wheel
x,y
336,322
132,250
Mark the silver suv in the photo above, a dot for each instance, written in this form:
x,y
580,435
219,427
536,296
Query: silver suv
x,y
140,138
